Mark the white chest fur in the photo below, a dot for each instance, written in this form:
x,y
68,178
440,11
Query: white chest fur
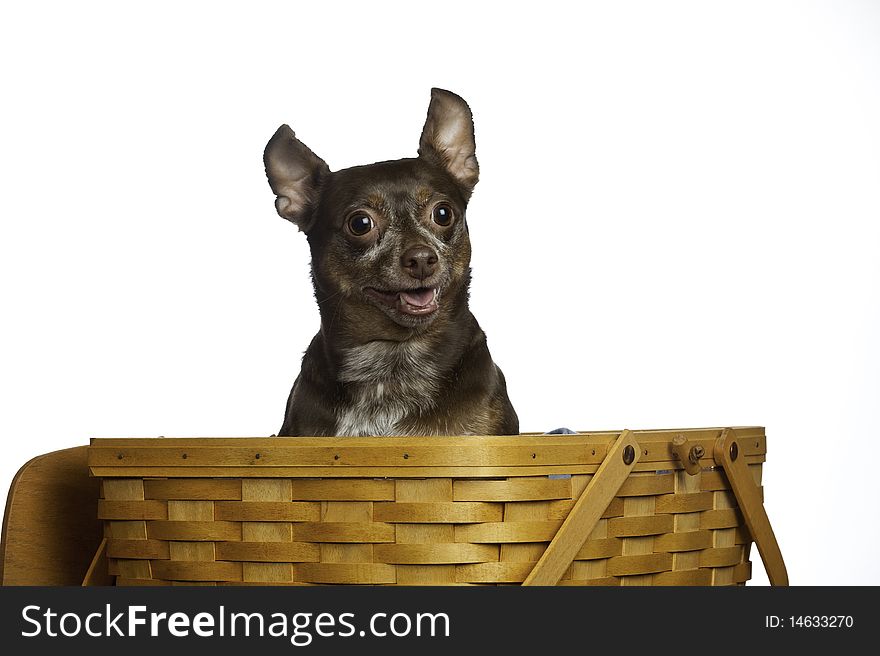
x,y
386,381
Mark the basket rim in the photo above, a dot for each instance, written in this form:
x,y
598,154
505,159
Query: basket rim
x,y
391,456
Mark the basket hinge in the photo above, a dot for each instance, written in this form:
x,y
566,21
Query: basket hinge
x,y
689,454
588,509
729,455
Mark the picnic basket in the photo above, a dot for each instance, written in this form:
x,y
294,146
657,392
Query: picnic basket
x,y
652,507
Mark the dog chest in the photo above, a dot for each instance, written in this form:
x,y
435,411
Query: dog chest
x,y
385,382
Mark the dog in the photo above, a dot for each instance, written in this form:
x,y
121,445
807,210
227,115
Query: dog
x,y
398,352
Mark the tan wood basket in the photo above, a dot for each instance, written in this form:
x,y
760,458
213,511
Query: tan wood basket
x,y
659,507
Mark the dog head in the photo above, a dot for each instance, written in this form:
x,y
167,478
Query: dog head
x,y
389,242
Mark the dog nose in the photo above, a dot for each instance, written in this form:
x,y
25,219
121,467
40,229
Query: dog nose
x,y
419,262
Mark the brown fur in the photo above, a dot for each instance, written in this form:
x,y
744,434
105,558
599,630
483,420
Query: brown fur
x,y
374,368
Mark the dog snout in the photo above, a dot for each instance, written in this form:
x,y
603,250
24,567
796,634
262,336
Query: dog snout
x,y
419,262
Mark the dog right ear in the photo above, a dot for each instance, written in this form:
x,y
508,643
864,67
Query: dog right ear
x,y
448,138
295,174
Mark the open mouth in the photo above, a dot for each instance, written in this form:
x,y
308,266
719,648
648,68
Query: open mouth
x,y
413,302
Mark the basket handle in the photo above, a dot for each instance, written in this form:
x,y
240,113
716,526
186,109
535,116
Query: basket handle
x,y
586,512
727,452
98,572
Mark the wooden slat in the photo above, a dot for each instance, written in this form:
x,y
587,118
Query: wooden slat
x,y
122,581
701,577
193,489
269,552
123,489
437,512
502,572
425,452
358,573
684,503
134,529
713,479
508,532
137,549
194,531
742,535
721,557
647,485
377,471
345,532
614,509
600,581
600,548
639,564
639,525
553,509
267,511
203,584
742,572
435,554
342,490
514,489
680,542
720,518
196,571
132,509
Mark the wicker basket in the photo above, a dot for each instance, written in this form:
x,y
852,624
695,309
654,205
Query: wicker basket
x,y
665,507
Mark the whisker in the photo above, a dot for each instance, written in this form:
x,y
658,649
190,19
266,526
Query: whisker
x,y
333,318
329,297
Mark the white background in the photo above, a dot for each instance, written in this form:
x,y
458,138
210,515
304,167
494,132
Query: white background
x,y
676,223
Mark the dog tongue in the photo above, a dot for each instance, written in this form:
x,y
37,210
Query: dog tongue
x,y
418,297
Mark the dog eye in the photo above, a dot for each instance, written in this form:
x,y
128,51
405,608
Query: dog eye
x,y
442,214
360,224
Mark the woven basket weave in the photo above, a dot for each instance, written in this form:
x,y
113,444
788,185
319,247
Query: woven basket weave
x,y
414,511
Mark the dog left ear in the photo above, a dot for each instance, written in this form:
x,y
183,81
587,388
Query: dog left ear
x,y
448,138
295,174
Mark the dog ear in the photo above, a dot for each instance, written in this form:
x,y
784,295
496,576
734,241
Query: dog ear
x,y
295,174
448,138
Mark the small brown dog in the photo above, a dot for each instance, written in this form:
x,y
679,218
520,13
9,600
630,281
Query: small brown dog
x,y
399,352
